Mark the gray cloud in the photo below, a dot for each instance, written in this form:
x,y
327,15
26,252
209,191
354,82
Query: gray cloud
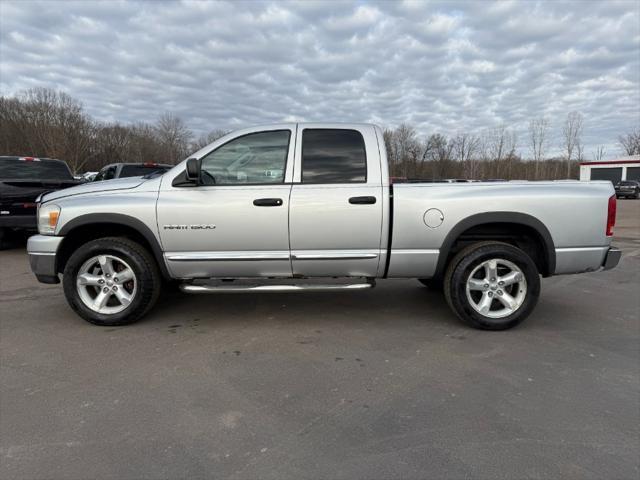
x,y
448,67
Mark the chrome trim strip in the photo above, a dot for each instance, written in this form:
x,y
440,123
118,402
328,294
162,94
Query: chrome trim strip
x,y
334,256
580,249
48,254
225,256
272,288
415,251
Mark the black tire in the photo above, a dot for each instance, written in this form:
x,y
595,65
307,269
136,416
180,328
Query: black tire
x,y
461,268
148,279
434,284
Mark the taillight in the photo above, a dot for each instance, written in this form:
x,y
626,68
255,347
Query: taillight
x,y
611,215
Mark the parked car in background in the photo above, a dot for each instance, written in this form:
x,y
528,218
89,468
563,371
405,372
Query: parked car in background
x,y
122,170
89,176
266,208
628,189
22,180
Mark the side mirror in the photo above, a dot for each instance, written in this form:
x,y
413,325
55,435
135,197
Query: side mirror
x,y
193,170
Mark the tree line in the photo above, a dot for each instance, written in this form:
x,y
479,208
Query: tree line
x,y
46,123
43,122
494,153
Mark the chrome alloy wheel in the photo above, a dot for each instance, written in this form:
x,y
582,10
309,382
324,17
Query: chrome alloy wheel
x,y
496,288
106,284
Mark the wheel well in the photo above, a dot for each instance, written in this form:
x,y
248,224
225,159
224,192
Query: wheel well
x,y
85,233
522,236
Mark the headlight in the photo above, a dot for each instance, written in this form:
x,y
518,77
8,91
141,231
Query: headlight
x,y
48,219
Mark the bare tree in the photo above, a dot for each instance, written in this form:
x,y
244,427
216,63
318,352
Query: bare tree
x,y
631,142
599,153
403,143
46,123
204,140
465,149
173,135
500,145
538,128
572,137
438,151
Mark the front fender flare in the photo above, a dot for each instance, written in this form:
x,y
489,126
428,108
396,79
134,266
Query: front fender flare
x,y
120,219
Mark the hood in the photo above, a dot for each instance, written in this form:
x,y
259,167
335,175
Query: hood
x,y
95,187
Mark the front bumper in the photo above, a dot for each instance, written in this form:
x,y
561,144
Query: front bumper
x,y
612,258
42,250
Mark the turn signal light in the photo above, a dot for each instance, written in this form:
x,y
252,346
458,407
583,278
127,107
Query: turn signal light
x,y
53,218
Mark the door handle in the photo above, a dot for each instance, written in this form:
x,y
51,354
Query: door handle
x,y
362,200
267,202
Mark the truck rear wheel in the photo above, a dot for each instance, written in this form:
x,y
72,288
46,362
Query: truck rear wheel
x,y
111,281
492,285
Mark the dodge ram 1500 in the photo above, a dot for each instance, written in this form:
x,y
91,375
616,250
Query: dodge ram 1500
x,y
278,208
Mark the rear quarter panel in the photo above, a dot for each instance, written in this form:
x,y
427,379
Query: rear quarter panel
x,y
575,214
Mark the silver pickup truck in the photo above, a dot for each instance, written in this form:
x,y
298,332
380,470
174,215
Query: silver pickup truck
x,y
309,206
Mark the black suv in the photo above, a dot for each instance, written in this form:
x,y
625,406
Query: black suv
x,y
628,189
122,170
22,179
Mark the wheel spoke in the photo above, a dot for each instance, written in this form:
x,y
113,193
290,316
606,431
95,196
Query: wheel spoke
x,y
485,303
125,275
101,300
507,300
123,297
476,284
510,278
492,269
89,279
106,264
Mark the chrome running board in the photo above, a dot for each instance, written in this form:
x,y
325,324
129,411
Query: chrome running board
x,y
258,288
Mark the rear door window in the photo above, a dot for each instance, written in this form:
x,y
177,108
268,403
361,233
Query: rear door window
x,y
333,156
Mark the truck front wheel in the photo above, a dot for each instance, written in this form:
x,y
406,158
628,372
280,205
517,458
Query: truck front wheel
x,y
111,281
492,285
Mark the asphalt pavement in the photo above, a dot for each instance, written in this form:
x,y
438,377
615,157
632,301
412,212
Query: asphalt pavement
x,y
379,384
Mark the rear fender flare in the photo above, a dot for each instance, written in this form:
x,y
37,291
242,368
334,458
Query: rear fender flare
x,y
498,217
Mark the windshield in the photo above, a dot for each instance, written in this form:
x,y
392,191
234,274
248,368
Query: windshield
x,y
14,168
628,184
140,170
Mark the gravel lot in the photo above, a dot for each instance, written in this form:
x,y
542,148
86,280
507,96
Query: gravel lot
x,y
377,384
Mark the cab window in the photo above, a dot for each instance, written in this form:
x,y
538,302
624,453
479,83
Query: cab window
x,y
256,158
110,173
105,174
333,156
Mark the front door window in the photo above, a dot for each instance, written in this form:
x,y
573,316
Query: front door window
x,y
254,159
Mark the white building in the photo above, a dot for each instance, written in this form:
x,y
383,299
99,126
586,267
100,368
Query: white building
x,y
625,168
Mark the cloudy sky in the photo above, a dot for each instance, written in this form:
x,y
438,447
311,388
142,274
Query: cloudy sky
x,y
443,67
